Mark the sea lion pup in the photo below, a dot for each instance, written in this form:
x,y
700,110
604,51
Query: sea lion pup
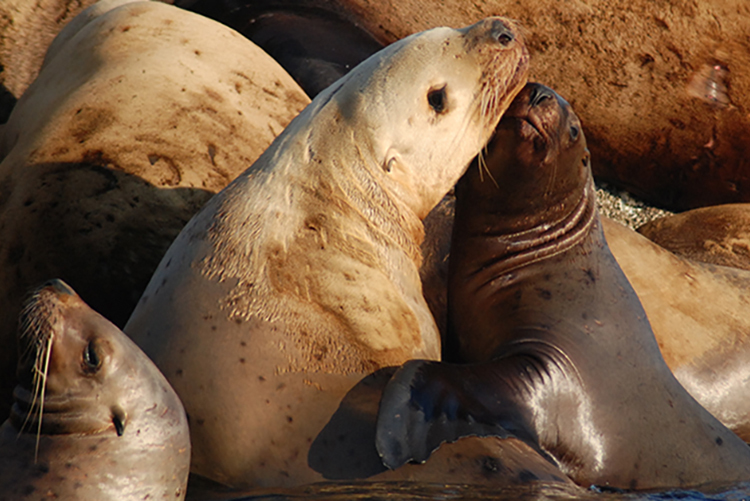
x,y
300,277
93,418
561,353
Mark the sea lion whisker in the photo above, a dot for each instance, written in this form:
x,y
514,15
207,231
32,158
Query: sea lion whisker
x,y
482,163
41,402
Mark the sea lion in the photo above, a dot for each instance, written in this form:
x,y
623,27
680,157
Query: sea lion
x,y
316,42
140,114
300,277
717,235
699,315
560,353
93,418
344,451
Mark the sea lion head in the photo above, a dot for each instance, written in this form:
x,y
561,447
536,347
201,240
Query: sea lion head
x,y
93,418
79,374
536,168
419,110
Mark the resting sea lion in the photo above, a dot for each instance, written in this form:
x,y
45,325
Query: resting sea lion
x,y
560,351
300,277
717,235
140,114
699,315
93,418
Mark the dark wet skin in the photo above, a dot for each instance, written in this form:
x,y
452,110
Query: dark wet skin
x,y
559,350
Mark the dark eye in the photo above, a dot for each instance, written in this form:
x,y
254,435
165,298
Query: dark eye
x,y
90,358
436,98
574,131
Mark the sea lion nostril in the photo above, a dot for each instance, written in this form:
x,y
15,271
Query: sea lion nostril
x,y
539,94
502,33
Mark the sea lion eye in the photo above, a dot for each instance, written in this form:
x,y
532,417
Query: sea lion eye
x,y
90,358
436,98
574,131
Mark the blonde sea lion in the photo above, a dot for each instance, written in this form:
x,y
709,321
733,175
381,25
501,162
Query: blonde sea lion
x,y
93,418
557,349
300,277
141,112
344,452
717,235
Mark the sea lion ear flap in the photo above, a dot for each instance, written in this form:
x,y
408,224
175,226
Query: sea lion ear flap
x,y
118,420
428,403
391,161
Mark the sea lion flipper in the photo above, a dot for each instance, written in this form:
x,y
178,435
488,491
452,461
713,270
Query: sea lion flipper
x,y
428,403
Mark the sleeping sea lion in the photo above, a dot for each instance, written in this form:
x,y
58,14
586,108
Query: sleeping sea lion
x,y
93,418
558,348
300,278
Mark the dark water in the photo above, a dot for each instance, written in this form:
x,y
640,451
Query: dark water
x,y
410,491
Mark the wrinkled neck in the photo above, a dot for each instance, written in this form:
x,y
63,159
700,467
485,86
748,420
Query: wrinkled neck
x,y
509,241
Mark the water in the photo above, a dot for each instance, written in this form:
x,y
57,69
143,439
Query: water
x,y
537,491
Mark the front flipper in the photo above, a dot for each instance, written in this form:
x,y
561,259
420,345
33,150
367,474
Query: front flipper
x,y
427,403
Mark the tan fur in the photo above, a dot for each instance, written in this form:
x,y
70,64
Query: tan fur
x,y
302,275
699,316
140,114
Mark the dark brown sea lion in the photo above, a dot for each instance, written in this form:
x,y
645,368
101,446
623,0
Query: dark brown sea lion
x,y
717,235
301,277
560,353
316,42
93,418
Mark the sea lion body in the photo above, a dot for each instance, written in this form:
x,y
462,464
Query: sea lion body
x,y
316,43
141,112
108,424
559,350
301,277
715,235
699,315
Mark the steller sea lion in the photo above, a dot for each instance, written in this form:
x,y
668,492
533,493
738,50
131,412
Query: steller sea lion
x,y
316,42
140,114
300,277
93,418
699,315
717,235
558,349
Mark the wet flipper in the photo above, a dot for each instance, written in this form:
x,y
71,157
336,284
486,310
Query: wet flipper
x,y
428,403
